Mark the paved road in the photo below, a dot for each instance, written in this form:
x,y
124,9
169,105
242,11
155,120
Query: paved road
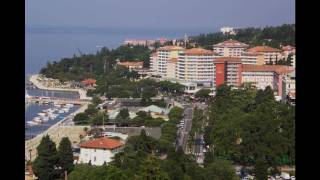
x,y
184,131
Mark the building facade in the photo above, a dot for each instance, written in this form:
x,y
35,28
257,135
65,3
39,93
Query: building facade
x,y
289,87
227,71
254,58
269,53
131,65
99,151
262,76
196,65
164,54
228,30
230,48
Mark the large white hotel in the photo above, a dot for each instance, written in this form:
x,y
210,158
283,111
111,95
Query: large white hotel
x,y
196,67
184,65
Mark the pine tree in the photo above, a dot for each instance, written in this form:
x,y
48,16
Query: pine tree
x,y
44,165
65,155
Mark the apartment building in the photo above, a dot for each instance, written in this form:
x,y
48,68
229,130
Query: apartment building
x,y
288,50
289,87
262,76
172,69
164,54
227,71
230,48
270,54
196,65
254,58
153,63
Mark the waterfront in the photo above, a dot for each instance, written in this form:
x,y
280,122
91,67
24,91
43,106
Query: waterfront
x,y
31,112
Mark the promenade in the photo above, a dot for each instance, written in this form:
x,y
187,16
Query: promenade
x,y
35,80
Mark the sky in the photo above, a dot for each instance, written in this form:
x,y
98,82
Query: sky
x,y
153,14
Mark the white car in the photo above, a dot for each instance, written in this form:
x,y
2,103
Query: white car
x,y
293,178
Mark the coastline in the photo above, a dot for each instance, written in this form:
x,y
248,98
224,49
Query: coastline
x,y
34,79
53,132
59,129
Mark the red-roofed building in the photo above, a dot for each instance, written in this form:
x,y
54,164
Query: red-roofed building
x,y
230,48
270,54
99,151
262,76
131,65
228,71
89,83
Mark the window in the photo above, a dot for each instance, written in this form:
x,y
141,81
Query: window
x,y
94,159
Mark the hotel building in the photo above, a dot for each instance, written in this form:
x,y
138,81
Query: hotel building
x,y
230,48
196,65
269,53
227,71
164,54
254,58
262,76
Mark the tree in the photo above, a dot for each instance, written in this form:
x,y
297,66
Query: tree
x,y
81,118
203,94
96,100
220,170
65,155
150,170
175,114
45,164
261,170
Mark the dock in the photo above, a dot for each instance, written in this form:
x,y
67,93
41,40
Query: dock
x,y
55,100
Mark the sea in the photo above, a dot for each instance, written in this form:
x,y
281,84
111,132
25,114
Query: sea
x,y
47,44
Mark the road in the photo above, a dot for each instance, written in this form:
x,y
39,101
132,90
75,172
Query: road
x,y
183,133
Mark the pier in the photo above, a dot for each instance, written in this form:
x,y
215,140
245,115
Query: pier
x,y
55,100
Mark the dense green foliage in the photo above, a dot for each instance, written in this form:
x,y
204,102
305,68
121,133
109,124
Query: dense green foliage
x,y
86,66
65,155
202,94
246,125
50,163
44,166
269,36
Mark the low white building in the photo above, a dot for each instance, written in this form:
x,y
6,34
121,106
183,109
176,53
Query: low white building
x,y
228,30
99,151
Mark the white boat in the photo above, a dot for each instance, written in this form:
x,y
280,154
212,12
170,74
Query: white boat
x,y
45,119
66,109
69,105
38,120
61,111
32,123
52,116
57,105
42,114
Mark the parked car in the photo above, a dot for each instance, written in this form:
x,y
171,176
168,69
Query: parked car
x,y
293,178
285,175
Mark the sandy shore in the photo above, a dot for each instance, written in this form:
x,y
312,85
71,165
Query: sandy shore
x,y
34,79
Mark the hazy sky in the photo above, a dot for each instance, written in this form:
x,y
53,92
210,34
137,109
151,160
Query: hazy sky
x,y
159,13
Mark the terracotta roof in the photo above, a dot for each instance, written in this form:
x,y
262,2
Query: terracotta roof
x,y
171,48
102,143
263,49
198,51
288,48
280,69
89,81
227,59
231,43
131,63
